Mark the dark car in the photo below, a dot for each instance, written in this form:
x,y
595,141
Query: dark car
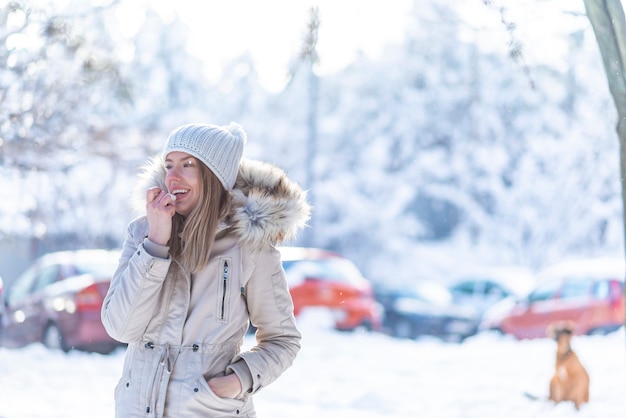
x,y
57,302
323,279
426,308
587,293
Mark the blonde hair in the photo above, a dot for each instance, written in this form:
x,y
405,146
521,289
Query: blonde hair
x,y
193,237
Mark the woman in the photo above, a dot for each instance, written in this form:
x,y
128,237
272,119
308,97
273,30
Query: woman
x,y
195,269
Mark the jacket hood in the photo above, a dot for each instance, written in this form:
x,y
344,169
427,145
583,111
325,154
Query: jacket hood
x,y
267,207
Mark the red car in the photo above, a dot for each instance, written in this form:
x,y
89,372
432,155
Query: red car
x,y
57,302
587,292
320,278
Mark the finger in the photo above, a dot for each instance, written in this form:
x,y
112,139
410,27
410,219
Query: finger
x,y
152,193
167,199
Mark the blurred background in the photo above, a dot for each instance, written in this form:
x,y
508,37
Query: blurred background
x,y
434,137
461,158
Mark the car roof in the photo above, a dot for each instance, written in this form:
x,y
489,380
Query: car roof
x,y
305,253
599,268
517,279
67,257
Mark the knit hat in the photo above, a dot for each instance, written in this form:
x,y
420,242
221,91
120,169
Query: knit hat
x,y
219,147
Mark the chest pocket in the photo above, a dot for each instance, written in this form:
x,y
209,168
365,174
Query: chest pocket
x,y
226,281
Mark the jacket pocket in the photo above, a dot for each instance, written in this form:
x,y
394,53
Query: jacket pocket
x,y
202,401
225,279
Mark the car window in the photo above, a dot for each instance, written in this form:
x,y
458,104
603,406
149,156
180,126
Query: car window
x,y
575,287
545,291
492,289
466,288
46,277
22,286
601,289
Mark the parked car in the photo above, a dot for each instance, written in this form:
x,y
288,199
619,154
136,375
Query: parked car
x,y
426,308
1,304
587,292
483,289
57,302
319,278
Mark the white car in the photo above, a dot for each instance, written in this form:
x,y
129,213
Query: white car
x,y
484,289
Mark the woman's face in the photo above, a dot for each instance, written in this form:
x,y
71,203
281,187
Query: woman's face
x,y
183,180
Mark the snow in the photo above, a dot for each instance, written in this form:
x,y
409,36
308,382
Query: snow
x,y
345,375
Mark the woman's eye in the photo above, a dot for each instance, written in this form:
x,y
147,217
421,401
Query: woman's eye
x,y
188,164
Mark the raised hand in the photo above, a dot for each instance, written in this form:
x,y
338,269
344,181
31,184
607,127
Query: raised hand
x,y
160,209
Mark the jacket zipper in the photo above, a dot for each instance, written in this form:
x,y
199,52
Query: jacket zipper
x,y
225,273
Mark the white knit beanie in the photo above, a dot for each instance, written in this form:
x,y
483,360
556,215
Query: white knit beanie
x,y
219,147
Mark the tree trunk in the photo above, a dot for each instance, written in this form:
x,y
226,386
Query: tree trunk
x,y
609,26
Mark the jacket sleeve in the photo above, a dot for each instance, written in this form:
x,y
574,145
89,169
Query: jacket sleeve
x,y
135,287
271,311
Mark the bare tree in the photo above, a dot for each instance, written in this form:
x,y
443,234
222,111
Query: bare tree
x,y
308,58
609,26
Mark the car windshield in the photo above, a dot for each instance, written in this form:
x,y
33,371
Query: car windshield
x,y
329,269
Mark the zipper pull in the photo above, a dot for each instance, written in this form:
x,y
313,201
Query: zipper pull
x,y
224,287
225,270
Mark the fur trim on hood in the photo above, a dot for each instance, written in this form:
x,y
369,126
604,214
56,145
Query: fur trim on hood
x,y
266,207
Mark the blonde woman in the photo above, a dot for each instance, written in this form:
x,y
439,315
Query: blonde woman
x,y
196,268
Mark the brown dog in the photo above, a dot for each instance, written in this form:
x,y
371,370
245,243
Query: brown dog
x,y
570,381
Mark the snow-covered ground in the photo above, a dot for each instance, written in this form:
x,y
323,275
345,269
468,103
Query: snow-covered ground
x,y
344,375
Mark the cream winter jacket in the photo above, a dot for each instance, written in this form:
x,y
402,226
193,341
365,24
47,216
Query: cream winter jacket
x,y
182,330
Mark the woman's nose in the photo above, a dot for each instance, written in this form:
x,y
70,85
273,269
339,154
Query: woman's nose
x,y
173,173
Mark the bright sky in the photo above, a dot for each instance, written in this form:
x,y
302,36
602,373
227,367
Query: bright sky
x,y
273,30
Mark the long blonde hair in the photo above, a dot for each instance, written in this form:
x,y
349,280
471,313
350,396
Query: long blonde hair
x,y
193,237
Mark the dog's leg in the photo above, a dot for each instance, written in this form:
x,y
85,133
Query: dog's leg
x,y
580,391
556,389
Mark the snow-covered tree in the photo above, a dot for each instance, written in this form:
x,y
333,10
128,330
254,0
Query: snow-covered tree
x,y
440,153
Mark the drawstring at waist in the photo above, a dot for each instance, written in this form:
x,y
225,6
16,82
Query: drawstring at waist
x,y
158,391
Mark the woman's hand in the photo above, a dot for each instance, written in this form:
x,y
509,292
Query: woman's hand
x,y
160,209
227,386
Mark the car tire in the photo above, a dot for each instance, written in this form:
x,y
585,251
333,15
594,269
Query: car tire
x,y
366,325
53,338
497,330
454,338
403,328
